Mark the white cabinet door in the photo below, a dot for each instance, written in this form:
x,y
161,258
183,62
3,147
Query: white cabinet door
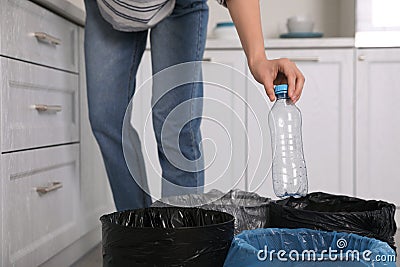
x,y
1,180
378,124
224,121
37,110
95,193
32,33
1,210
40,203
327,111
223,131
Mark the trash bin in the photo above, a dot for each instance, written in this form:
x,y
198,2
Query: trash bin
x,y
166,237
305,247
250,210
322,211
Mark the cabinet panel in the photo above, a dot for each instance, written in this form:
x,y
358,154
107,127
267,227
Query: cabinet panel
x,y
1,181
41,192
224,121
40,106
1,210
327,110
32,33
378,124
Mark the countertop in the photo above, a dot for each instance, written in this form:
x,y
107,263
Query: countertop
x,y
278,43
73,10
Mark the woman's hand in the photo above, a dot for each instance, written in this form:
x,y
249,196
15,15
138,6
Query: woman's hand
x,y
246,16
278,71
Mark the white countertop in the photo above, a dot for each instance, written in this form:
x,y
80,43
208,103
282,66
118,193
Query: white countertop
x,y
73,10
278,43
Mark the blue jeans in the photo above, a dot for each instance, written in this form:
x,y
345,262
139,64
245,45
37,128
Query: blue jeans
x,y
112,59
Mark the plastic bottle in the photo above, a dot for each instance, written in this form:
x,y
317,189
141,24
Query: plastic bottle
x,y
289,173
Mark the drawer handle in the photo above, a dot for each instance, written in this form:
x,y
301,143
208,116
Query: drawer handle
x,y
51,187
47,108
207,59
44,37
305,59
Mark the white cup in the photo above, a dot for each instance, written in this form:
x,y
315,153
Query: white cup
x,y
300,24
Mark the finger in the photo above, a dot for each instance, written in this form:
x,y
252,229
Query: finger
x,y
269,89
300,80
289,71
291,79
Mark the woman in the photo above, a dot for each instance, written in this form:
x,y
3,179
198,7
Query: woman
x,y
112,59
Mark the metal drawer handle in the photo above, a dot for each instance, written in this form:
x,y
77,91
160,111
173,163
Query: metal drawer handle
x,y
42,36
305,59
51,187
362,58
45,108
207,59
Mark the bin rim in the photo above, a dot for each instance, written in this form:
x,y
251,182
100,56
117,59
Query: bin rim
x,y
385,205
333,212
256,232
104,219
216,196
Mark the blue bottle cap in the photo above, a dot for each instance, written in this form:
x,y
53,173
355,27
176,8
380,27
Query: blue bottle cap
x,y
281,89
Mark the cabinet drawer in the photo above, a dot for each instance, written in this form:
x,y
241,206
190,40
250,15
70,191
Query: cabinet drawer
x,y
39,106
38,225
32,33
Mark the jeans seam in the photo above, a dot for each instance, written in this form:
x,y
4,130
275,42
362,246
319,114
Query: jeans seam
x,y
199,29
134,56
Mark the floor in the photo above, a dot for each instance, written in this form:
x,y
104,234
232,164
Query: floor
x,y
94,258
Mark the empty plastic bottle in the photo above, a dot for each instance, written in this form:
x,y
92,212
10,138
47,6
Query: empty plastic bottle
x,y
289,173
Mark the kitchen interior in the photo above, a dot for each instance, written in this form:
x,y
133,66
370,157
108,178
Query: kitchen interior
x,y
54,187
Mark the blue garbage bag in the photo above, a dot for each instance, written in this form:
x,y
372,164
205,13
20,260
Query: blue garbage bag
x,y
305,247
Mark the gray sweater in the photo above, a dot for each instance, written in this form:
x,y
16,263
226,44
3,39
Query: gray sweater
x,y
137,15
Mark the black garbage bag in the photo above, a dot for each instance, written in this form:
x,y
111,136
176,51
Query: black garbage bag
x,y
322,211
249,209
168,236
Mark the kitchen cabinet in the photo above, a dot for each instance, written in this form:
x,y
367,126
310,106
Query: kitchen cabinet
x,y
224,120
1,205
1,178
39,134
223,125
377,124
38,111
35,34
327,111
53,186
40,196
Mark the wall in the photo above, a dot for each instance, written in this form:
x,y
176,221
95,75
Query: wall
x,y
334,17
